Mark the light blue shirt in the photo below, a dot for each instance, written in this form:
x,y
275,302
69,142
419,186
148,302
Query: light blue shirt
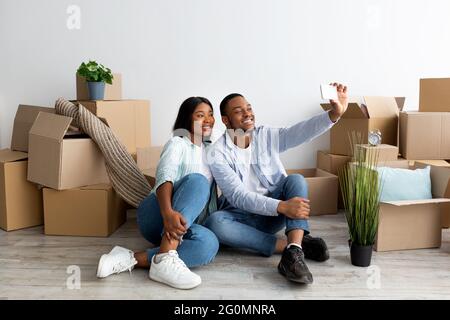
x,y
267,144
179,158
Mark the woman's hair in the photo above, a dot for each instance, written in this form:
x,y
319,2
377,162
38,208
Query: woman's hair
x,y
187,108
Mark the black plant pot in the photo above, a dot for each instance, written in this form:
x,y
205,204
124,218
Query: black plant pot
x,y
360,255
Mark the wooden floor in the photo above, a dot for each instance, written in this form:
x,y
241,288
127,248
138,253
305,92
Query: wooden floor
x,y
34,266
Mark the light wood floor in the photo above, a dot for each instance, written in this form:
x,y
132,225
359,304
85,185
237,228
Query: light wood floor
x,y
34,266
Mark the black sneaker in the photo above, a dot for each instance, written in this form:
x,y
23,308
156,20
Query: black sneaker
x,y
315,248
292,265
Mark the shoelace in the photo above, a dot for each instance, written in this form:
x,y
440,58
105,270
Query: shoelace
x,y
297,256
121,265
176,262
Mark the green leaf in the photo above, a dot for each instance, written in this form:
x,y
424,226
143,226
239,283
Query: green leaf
x,y
360,189
93,71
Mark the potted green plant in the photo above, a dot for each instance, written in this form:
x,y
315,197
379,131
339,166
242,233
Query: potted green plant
x,y
360,187
96,75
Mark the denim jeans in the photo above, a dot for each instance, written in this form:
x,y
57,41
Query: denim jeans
x,y
240,229
190,197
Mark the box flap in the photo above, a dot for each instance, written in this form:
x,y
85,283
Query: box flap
x,y
413,202
436,163
51,125
400,102
6,155
440,178
381,107
23,121
403,164
353,111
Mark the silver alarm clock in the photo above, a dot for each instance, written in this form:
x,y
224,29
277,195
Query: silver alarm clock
x,y
374,138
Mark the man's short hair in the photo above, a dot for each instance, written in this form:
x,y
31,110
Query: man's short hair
x,y
225,101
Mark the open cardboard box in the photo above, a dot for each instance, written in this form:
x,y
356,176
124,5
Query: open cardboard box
x,y
20,200
95,211
322,190
413,224
128,119
372,113
23,121
112,91
425,135
60,159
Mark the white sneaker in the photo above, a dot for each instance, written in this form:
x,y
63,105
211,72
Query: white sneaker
x,y
116,261
172,271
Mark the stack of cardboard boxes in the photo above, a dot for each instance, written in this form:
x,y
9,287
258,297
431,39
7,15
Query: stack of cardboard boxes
x,y
425,134
363,115
403,224
54,174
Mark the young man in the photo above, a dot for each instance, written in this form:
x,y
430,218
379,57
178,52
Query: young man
x,y
258,198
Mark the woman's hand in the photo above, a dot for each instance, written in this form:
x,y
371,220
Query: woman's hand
x,y
174,225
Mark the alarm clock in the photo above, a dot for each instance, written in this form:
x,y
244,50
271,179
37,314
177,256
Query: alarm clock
x,y
374,138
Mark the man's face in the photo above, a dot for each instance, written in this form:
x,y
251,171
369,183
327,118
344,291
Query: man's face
x,y
239,115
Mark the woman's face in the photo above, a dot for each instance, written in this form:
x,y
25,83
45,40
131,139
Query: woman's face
x,y
202,120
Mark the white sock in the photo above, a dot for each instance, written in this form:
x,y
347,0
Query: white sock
x,y
159,256
294,244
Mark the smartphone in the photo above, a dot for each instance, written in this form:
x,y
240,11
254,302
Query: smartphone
x,y
328,92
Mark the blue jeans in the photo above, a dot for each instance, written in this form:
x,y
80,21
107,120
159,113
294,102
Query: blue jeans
x,y
240,229
190,196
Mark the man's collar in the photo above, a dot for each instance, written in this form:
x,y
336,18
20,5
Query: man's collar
x,y
229,140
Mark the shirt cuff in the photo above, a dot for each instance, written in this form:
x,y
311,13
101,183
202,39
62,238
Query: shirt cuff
x,y
272,207
329,121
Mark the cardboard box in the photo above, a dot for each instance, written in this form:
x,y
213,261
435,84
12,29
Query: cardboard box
x,y
385,152
20,200
128,119
112,91
60,160
425,135
332,163
322,190
23,121
436,163
150,175
148,157
95,211
413,224
147,161
374,113
441,172
434,95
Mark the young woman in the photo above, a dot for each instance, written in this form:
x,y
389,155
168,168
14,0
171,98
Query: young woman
x,y
171,216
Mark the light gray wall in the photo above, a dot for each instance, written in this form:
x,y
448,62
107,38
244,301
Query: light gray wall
x,y
274,52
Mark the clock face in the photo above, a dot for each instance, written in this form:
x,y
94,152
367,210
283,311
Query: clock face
x,y
374,139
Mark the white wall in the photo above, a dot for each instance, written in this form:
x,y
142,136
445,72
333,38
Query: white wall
x,y
274,52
